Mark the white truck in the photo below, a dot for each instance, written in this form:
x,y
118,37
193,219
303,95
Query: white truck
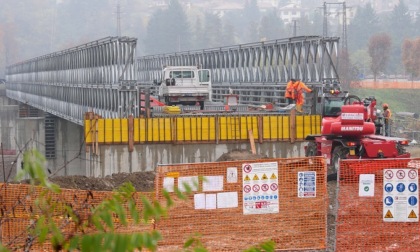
x,y
186,85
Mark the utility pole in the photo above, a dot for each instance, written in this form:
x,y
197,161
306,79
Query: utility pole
x,y
118,19
344,22
294,28
325,26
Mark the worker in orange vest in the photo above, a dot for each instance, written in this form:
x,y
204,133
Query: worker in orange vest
x,y
290,93
387,119
300,99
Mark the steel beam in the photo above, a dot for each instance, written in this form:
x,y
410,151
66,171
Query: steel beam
x,y
98,76
309,58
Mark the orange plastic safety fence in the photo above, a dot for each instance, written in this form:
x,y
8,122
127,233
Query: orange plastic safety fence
x,y
230,216
19,212
378,205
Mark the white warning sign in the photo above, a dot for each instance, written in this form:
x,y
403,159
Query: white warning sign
x,y
401,195
260,190
307,184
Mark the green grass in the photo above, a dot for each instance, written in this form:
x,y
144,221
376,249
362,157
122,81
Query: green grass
x,y
399,100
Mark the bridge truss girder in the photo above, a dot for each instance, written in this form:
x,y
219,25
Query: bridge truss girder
x,y
95,77
310,58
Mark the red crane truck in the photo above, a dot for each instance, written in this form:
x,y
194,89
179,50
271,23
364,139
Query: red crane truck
x,y
351,129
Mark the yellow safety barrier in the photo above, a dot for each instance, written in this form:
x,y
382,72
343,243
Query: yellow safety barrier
x,y
204,129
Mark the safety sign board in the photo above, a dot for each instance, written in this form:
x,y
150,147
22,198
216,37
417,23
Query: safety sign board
x,y
260,191
306,184
400,195
367,185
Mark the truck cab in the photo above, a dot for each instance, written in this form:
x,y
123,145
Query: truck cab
x,y
185,85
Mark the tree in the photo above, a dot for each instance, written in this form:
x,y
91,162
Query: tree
x,y
411,56
379,50
250,19
213,28
271,26
399,24
362,26
361,63
168,31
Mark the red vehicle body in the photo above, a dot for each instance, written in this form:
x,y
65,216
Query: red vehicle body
x,y
351,129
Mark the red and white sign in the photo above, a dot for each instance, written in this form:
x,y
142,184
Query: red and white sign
x,y
255,188
274,187
259,194
265,187
247,168
412,174
400,174
388,174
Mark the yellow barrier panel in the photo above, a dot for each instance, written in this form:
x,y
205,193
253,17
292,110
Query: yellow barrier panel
x,y
276,127
124,130
109,131
88,131
201,128
100,126
117,131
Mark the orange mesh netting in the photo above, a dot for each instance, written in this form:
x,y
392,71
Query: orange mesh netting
x,y
378,216
19,213
217,212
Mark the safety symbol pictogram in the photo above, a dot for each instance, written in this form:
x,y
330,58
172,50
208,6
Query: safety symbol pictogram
x,y
247,168
273,176
264,176
412,174
388,200
400,187
389,187
264,187
388,174
412,187
255,177
273,187
412,200
412,215
247,188
400,174
247,178
388,215
255,188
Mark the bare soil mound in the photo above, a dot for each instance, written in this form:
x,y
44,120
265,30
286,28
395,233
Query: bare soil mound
x,y
239,155
142,181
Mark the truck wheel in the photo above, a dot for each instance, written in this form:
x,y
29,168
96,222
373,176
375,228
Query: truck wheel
x,y
311,150
339,152
201,105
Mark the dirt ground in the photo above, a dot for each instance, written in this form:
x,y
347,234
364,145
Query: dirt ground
x,y
142,181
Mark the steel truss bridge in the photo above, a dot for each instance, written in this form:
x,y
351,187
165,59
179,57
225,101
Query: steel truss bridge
x,y
106,77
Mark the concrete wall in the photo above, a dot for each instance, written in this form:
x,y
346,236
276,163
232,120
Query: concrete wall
x,y
21,134
116,158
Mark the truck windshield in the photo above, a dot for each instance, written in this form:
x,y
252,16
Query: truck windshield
x,y
181,74
332,107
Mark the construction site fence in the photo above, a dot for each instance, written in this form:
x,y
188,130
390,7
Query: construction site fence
x,y
19,213
202,129
238,204
233,206
378,208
